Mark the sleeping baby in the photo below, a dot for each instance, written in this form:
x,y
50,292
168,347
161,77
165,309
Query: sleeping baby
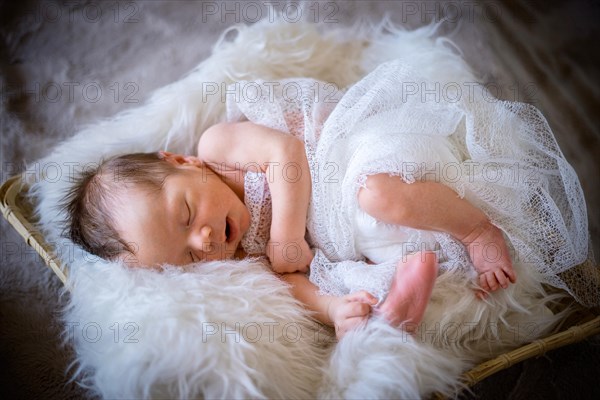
x,y
336,191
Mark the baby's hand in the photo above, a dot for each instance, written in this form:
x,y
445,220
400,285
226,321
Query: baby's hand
x,y
489,254
348,312
289,255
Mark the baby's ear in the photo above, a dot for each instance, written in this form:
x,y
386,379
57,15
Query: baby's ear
x,y
179,159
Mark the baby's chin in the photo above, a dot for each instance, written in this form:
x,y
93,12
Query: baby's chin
x,y
228,251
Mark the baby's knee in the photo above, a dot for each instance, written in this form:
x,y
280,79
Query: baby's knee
x,y
371,193
378,199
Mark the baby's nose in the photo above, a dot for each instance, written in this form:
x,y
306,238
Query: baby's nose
x,y
206,233
202,239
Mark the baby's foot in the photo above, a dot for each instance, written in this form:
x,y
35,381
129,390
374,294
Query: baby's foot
x,y
489,254
410,291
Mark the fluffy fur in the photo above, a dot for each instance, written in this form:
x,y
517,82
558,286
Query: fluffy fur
x,y
379,361
180,314
218,330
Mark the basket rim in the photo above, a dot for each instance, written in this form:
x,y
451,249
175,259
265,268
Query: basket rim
x,y
12,212
574,334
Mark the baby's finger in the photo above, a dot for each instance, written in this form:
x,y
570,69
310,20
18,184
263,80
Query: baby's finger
x,y
510,272
364,297
302,268
356,309
501,278
349,324
484,283
492,283
480,294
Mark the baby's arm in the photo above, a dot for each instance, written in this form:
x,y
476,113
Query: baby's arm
x,y
343,313
434,206
247,146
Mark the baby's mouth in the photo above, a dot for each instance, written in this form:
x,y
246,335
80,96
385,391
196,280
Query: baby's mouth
x,y
230,231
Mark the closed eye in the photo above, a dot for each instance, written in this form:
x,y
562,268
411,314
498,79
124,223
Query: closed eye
x,y
189,214
188,224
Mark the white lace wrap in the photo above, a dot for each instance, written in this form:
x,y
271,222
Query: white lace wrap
x,y
257,197
501,156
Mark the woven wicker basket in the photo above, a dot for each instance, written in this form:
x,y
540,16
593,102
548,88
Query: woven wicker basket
x,y
17,210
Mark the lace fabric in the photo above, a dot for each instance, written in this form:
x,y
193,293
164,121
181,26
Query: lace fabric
x,y
500,156
257,199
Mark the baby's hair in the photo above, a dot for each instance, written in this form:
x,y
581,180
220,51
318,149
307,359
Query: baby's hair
x,y
89,204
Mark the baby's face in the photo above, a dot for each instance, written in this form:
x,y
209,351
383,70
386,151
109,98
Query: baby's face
x,y
195,217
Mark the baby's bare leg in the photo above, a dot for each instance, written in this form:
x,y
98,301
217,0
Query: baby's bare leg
x,y
410,291
434,206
